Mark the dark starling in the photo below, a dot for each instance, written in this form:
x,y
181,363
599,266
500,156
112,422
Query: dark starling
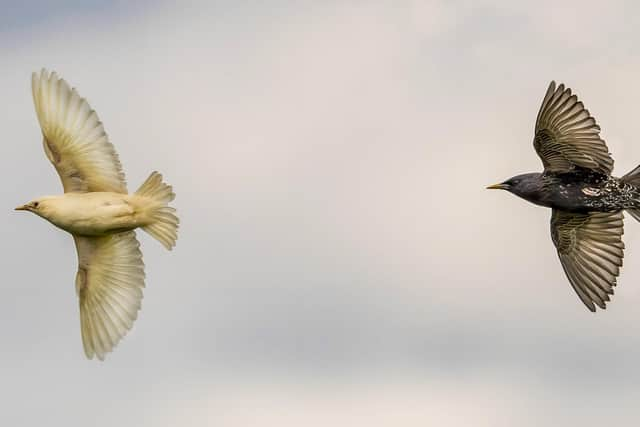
x,y
586,201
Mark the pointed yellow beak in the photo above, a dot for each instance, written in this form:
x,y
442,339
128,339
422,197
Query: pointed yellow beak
x,y
22,208
500,186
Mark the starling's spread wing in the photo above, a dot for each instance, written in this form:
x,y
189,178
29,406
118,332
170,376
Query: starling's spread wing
x,y
590,248
109,284
74,139
567,136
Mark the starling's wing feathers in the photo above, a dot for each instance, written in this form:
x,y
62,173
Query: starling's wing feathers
x,y
109,284
567,136
590,248
74,138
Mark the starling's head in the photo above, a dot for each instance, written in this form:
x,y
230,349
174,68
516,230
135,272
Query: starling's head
x,y
527,186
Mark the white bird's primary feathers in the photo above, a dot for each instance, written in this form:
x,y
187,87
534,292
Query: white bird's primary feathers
x,y
98,212
109,284
74,139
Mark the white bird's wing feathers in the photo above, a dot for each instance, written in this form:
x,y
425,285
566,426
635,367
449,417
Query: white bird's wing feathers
x,y
74,138
109,284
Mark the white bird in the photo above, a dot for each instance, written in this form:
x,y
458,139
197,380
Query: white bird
x,y
98,212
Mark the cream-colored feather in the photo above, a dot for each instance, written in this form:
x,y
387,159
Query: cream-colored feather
x,y
74,139
109,284
162,220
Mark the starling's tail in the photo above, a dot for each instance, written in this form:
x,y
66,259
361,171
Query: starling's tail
x,y
634,213
633,178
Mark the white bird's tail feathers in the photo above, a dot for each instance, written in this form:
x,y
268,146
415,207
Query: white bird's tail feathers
x,y
164,222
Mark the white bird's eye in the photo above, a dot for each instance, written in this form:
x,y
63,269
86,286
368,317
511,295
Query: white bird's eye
x,y
35,204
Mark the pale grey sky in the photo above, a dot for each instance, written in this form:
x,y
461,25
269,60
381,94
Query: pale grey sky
x,y
339,261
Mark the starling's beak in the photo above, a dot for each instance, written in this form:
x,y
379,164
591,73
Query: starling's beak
x,y
22,208
501,186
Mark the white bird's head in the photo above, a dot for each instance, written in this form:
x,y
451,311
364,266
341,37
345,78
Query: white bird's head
x,y
39,207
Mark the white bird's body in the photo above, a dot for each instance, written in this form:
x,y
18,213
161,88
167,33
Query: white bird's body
x,y
98,212
95,214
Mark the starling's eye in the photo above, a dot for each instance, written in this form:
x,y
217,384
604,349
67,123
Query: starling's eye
x,y
35,204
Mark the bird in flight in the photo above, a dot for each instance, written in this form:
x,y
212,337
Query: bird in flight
x,y
586,201
98,212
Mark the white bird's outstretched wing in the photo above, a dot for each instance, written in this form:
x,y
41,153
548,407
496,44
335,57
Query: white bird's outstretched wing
x,y
109,284
74,138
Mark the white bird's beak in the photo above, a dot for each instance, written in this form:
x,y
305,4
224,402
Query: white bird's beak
x,y
22,208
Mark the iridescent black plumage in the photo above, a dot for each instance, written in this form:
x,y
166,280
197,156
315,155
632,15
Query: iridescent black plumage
x,y
581,190
586,201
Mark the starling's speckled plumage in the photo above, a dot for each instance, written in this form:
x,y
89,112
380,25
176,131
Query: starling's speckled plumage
x,y
586,201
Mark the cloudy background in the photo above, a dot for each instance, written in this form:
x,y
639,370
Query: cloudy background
x,y
339,261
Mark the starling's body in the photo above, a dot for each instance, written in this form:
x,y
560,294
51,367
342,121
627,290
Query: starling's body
x,y
586,201
582,191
